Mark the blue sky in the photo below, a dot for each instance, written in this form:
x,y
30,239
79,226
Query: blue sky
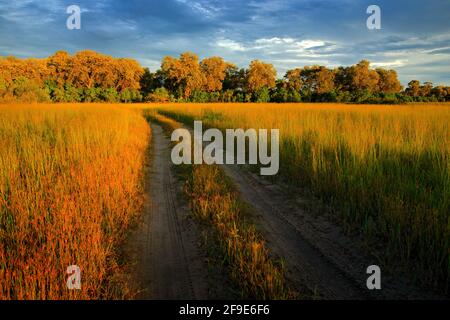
x,y
414,39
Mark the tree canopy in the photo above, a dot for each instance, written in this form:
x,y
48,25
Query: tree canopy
x,y
91,76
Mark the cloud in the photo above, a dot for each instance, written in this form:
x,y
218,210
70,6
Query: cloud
x,y
230,45
389,64
274,40
290,33
206,8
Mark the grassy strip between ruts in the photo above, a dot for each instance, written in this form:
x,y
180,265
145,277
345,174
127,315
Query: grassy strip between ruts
x,y
215,203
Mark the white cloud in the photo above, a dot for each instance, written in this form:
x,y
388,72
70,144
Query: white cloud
x,y
277,45
230,45
275,40
308,44
390,64
283,51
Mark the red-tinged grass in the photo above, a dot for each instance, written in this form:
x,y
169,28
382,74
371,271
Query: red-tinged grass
x,y
70,184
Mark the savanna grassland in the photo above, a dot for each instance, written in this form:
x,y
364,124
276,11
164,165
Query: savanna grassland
x,y
70,185
384,169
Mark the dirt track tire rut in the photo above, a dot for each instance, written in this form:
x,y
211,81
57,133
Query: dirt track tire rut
x,y
318,255
309,270
169,264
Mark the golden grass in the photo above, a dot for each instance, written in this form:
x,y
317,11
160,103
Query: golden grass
x,y
69,187
385,168
215,203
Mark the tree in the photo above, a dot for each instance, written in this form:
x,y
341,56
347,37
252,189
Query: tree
x,y
91,69
91,76
27,90
185,72
199,96
87,76
440,92
33,69
317,79
130,95
109,95
280,92
363,78
293,80
342,81
425,90
413,89
59,66
260,75
214,72
227,96
324,79
159,95
262,95
91,94
235,79
388,81
127,74
148,82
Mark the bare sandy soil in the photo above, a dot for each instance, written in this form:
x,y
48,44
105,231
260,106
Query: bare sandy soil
x,y
322,262
165,247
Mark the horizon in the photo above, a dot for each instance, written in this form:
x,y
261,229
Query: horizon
x,y
239,155
286,34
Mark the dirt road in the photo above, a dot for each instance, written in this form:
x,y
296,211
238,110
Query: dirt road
x,y
320,259
292,237
322,262
169,262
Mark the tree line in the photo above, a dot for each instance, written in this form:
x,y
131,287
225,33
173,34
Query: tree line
x,y
88,76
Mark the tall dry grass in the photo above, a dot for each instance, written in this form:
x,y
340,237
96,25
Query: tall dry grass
x,y
69,187
386,169
215,203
